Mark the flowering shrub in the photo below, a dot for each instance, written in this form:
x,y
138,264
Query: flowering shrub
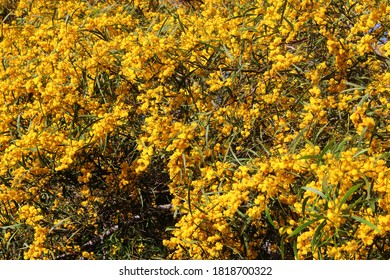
x,y
194,129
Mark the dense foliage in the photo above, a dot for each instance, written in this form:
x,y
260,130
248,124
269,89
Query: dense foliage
x,y
194,129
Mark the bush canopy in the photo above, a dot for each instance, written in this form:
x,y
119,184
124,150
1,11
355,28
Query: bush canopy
x,y
206,129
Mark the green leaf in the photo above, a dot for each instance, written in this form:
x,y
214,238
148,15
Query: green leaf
x,y
18,130
354,87
267,151
59,224
310,157
282,248
228,53
290,24
303,226
317,236
207,136
269,216
324,183
184,162
11,226
189,200
283,10
296,141
364,98
368,185
304,205
229,145
360,152
316,192
340,146
182,27
295,250
364,221
319,132
234,155
349,193
384,155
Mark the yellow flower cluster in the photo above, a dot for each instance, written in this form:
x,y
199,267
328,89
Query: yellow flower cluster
x,y
32,216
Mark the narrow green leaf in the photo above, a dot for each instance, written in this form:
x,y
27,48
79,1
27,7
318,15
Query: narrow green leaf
x,y
355,86
189,199
228,148
11,226
282,248
59,224
324,183
316,192
304,205
42,160
317,236
290,24
319,132
368,185
360,152
310,157
296,140
264,148
340,146
349,193
327,147
295,250
360,143
364,98
182,27
18,130
207,136
283,10
200,151
184,162
162,26
269,216
364,221
302,227
234,155
252,152
384,155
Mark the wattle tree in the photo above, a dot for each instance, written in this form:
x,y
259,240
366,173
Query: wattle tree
x,y
194,129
